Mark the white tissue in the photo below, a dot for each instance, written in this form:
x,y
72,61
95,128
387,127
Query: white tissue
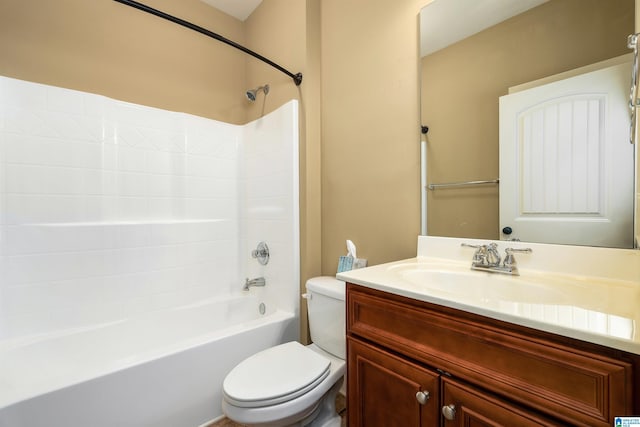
x,y
351,249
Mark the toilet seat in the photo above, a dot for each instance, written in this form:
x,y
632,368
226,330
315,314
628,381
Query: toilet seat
x,y
275,375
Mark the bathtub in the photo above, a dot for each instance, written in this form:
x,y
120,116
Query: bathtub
x,y
163,369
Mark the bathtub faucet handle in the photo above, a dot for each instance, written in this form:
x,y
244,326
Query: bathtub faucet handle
x,y
259,281
261,253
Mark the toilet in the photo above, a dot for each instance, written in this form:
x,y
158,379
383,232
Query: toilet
x,y
292,384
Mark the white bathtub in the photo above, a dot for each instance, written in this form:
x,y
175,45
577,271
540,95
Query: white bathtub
x,y
163,370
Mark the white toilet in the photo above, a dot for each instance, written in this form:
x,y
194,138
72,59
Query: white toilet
x,y
291,384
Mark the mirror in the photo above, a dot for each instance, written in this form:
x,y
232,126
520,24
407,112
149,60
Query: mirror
x,y
479,50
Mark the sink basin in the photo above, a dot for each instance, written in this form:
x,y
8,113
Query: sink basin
x,y
470,284
458,281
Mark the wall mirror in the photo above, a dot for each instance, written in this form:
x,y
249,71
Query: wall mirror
x,y
476,52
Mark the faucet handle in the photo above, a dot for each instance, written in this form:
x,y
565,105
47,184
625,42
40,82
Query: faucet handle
x,y
509,259
468,245
480,255
261,253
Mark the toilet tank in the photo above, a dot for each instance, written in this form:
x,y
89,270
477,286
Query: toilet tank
x,y
326,308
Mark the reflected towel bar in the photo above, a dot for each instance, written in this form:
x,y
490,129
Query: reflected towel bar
x,y
463,183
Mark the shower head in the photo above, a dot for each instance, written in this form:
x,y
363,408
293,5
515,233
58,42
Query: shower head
x,y
252,93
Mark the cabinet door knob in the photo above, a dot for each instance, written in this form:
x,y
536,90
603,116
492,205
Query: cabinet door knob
x,y
449,412
422,397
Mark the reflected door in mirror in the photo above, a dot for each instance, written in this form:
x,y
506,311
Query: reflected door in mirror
x,y
566,167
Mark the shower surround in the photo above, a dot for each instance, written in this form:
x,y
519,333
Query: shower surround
x,y
120,217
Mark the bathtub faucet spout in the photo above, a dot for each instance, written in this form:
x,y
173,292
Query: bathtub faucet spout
x,y
254,282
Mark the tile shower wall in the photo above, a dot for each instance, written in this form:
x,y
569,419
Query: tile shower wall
x,y
269,202
110,209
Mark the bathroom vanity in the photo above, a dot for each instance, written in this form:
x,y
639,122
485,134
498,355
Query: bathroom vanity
x,y
430,343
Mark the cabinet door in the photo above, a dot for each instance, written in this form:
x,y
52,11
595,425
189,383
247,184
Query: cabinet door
x,y
465,406
385,390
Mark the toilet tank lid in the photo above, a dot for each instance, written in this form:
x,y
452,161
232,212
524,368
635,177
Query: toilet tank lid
x,y
327,285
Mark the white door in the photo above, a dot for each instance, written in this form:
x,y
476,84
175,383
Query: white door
x,y
566,164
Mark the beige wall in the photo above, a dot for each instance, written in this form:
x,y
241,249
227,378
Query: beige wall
x,y
111,49
266,34
462,83
370,129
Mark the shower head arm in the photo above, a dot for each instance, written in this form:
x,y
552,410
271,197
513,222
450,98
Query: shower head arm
x,y
251,93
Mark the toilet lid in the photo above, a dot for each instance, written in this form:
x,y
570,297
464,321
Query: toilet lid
x,y
275,375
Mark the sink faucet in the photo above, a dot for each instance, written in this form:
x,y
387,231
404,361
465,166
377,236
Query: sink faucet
x,y
487,258
259,281
485,255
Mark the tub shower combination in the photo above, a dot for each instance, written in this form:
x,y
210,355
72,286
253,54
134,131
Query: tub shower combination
x,y
126,237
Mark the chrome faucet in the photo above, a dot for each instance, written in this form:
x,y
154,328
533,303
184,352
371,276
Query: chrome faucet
x,y
487,258
259,281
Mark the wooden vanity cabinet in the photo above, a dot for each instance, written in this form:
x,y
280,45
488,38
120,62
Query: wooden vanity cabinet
x,y
384,381
477,371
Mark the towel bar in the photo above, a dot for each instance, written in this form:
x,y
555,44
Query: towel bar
x,y
463,183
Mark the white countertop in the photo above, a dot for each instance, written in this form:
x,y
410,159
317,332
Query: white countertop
x,y
596,306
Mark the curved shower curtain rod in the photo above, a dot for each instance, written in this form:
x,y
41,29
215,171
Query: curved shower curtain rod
x,y
297,78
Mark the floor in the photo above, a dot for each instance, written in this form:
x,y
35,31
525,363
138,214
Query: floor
x,y
341,407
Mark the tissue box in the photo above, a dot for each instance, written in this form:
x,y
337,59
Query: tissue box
x,y
359,263
346,263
